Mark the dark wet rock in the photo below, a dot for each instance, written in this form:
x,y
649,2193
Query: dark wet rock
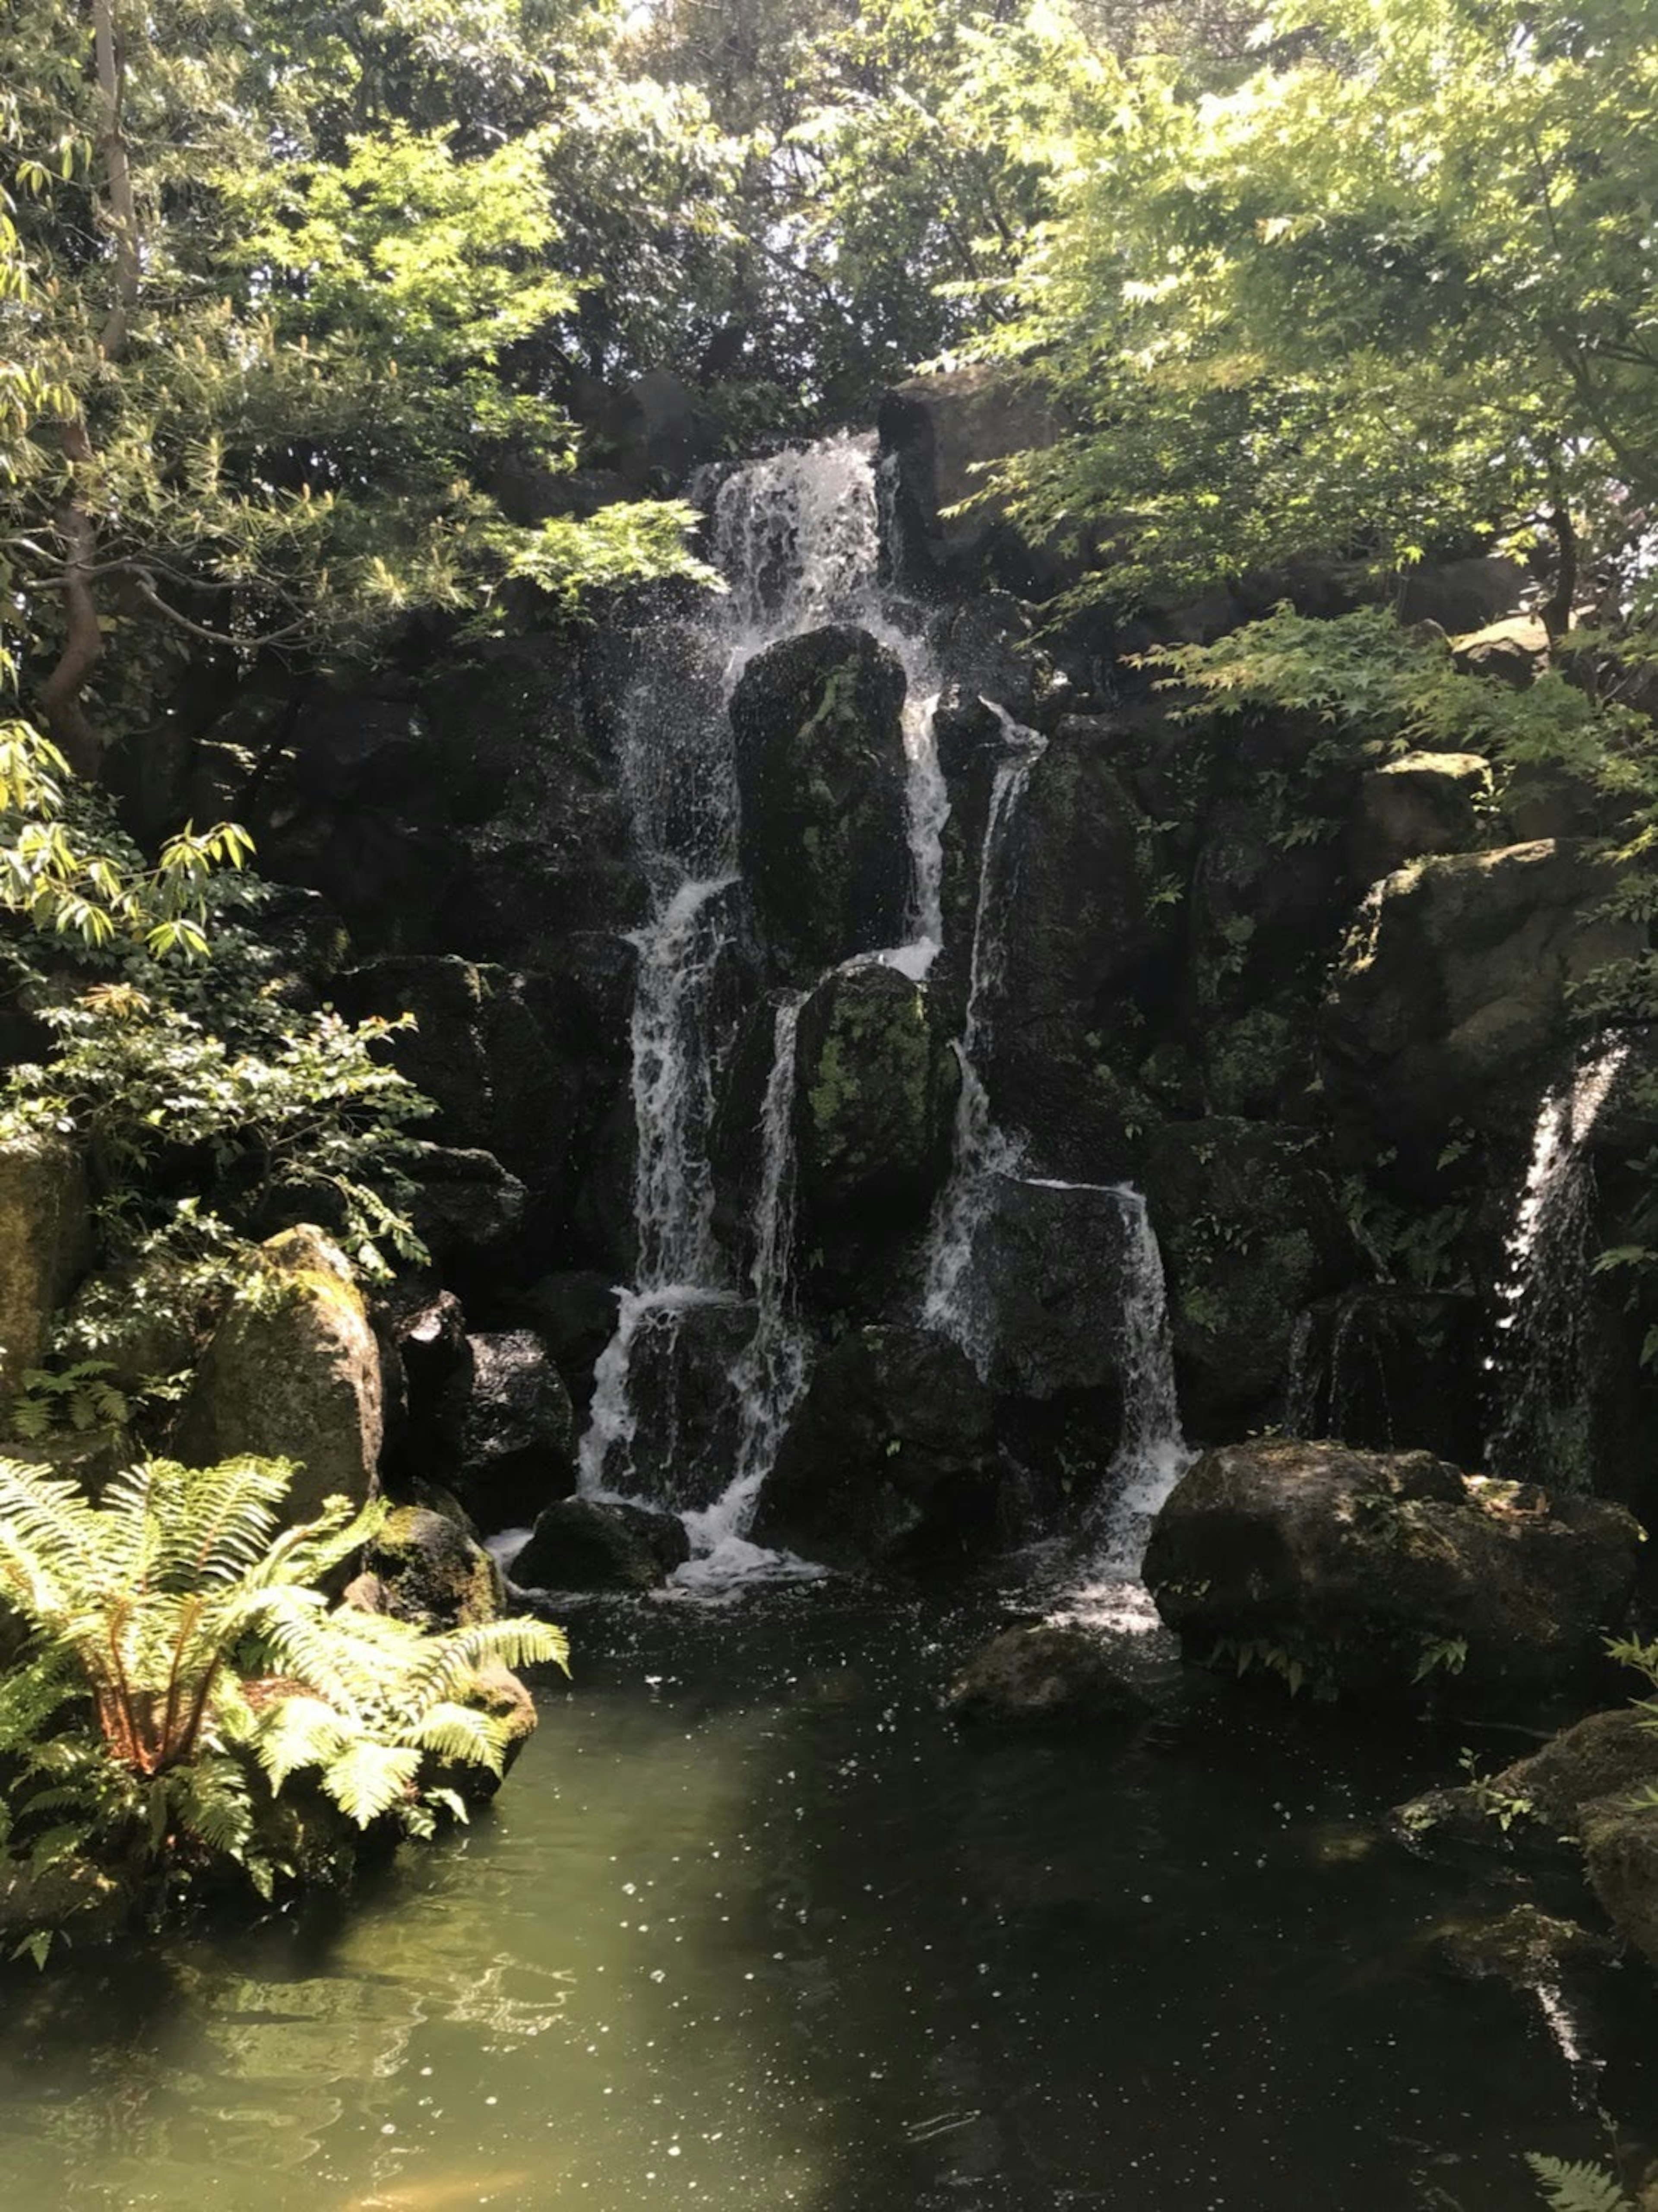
x,y
1604,1756
575,1314
662,1533
1392,1370
431,1572
821,773
1088,942
518,1440
1453,990
467,1210
875,1103
292,1372
1267,910
580,1544
1251,1233
1422,803
1522,1947
1049,1262
687,1414
939,432
891,1461
1378,1572
1046,1675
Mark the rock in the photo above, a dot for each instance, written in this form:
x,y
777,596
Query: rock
x,y
687,1417
1604,1756
1046,1675
891,1461
1522,1947
437,1364
575,1315
1377,1572
1391,1370
1049,1263
498,1692
1453,989
1089,946
1463,595
518,1440
1251,1233
292,1372
431,1572
580,1544
1620,1857
467,1209
1422,803
662,1533
940,431
875,1105
821,774
46,1240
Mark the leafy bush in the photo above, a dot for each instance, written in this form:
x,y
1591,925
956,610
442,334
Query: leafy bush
x,y
181,1667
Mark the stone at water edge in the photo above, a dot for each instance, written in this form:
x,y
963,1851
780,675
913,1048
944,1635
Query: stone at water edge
x,y
1378,1572
1523,1946
1043,1675
518,1436
1620,1857
292,1372
431,1572
582,1545
1604,1759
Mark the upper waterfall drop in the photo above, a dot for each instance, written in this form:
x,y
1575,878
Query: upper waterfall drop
x,y
797,538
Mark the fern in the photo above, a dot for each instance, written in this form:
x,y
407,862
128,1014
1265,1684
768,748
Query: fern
x,y
1577,2188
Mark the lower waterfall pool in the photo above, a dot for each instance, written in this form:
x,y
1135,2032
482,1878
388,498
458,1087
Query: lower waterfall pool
x,y
755,1926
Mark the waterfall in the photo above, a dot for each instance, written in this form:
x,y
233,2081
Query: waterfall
x,y
981,1150
1537,1369
796,538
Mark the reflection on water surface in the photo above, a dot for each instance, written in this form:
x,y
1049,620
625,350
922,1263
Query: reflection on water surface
x,y
753,1928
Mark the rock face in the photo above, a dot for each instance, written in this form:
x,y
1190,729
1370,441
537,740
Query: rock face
x,y
1391,1370
45,1243
580,1544
292,1372
820,771
890,1461
941,430
1374,1572
1045,1676
1251,1233
517,1439
1454,982
875,1102
1620,1856
1422,803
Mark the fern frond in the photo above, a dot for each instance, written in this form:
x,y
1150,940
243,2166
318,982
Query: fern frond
x,y
369,1779
1577,2188
298,1732
462,1732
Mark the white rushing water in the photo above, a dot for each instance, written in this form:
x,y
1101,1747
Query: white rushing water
x,y
797,538
1536,1371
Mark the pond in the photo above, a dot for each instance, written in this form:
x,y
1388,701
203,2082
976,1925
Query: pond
x,y
753,1927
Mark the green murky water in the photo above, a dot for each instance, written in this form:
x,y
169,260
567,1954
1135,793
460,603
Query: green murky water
x,y
753,1928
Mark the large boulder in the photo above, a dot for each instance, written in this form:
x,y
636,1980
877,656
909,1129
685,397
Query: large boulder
x,y
1089,945
1050,1274
44,1244
1620,1857
518,1440
891,1461
1251,1233
1451,998
821,774
940,431
1374,1572
1048,1676
292,1372
581,1544
875,1101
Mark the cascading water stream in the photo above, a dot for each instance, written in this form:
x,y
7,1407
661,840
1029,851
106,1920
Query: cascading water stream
x,y
1537,1369
982,1150
797,538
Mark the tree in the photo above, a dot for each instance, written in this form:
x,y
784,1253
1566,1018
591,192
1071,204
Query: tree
x,y
270,343
1385,293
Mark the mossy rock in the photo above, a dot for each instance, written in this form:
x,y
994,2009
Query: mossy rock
x,y
1045,1675
582,1545
433,1571
45,1245
821,776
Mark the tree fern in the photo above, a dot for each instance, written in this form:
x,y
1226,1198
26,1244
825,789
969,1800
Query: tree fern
x,y
1577,2188
216,1672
